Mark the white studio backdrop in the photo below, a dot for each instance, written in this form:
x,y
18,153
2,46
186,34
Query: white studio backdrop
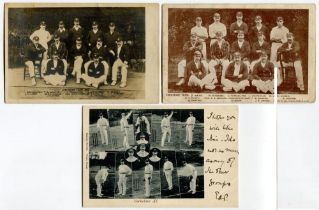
x,y
40,152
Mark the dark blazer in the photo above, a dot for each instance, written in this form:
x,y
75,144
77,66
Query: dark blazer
x,y
188,52
103,52
62,51
109,39
96,72
289,55
253,33
124,53
263,73
265,47
217,52
78,52
191,67
64,35
51,70
234,27
73,34
92,37
244,50
230,72
33,53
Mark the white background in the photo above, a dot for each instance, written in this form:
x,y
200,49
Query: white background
x,y
40,153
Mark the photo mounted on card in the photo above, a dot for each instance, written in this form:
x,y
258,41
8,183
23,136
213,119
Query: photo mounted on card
x,y
75,53
231,53
155,156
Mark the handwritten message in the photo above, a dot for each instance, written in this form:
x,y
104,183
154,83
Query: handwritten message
x,y
221,156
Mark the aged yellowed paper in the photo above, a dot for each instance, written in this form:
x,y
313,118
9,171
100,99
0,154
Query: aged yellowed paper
x,y
155,156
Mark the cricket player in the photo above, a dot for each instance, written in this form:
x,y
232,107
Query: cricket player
x,y
131,158
237,26
190,172
242,46
62,32
289,53
215,27
256,29
188,50
60,48
33,54
103,126
154,157
142,139
190,125
54,72
278,36
166,127
100,178
257,48
125,128
142,153
148,171
78,55
168,170
95,72
142,124
219,53
124,171
76,31
44,37
122,57
263,74
236,76
93,35
202,35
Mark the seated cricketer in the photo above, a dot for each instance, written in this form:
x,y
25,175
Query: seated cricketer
x,y
95,72
263,74
236,76
196,76
55,70
289,56
219,53
33,54
78,55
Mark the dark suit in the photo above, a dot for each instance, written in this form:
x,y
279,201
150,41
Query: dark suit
x,y
230,72
61,49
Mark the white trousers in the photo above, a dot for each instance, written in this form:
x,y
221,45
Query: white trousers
x,y
192,183
122,184
273,51
236,86
169,179
298,72
166,132
213,63
77,67
264,86
92,80
55,79
147,184
119,64
30,66
104,136
189,135
210,80
99,183
125,139
204,52
181,67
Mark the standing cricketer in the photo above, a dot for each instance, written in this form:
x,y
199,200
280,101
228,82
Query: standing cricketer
x,y
148,171
278,36
168,170
103,125
100,178
44,37
190,172
190,124
124,171
124,128
166,127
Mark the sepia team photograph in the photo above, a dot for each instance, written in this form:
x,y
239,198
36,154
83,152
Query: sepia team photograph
x,y
233,54
146,153
81,52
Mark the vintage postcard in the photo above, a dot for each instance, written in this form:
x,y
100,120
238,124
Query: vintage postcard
x,y
81,53
156,156
238,53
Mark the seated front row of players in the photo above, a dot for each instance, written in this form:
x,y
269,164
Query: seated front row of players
x,y
247,67
92,67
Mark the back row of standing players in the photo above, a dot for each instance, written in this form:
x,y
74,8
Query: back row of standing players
x,y
250,56
106,50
